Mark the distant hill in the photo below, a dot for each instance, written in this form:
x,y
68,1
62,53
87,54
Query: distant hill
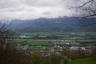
x,y
61,24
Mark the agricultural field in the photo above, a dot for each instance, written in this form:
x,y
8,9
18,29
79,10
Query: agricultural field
x,y
87,42
58,35
91,60
33,42
52,43
60,39
41,38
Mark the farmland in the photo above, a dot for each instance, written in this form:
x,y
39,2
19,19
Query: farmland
x,y
48,39
78,47
89,60
33,42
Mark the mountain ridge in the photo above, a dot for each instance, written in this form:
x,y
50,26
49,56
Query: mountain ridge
x,y
61,24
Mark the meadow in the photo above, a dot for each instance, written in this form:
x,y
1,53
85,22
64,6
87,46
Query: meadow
x,y
33,42
41,38
89,60
45,39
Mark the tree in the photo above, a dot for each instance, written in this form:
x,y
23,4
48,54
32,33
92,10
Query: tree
x,y
8,52
88,6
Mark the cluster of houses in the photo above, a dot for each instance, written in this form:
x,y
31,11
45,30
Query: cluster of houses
x,y
46,50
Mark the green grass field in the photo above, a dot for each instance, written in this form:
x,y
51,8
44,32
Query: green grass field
x,y
50,43
40,43
84,61
34,42
87,42
62,35
36,35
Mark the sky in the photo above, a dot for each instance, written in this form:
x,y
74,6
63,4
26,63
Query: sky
x,y
30,9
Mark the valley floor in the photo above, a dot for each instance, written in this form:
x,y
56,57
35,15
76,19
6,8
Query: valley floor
x,y
89,60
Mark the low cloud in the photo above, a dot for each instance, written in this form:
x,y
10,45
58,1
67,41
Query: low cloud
x,y
30,9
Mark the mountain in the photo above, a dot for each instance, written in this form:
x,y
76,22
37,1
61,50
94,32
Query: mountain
x,y
61,24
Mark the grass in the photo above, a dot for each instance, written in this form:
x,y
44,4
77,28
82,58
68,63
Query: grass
x,y
40,43
50,43
87,42
34,42
84,61
60,35
56,35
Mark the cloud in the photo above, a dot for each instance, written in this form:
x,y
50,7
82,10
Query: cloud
x,y
30,9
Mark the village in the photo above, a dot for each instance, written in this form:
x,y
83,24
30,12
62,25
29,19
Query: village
x,y
59,47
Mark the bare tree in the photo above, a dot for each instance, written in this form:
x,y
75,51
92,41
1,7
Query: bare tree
x,y
3,34
8,52
88,7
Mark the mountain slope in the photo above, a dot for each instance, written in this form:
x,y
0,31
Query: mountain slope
x,y
61,24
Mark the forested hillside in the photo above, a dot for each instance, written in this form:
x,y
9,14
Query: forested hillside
x,y
61,24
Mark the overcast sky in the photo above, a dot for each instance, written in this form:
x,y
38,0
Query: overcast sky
x,y
29,9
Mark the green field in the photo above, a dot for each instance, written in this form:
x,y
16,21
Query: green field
x,y
87,42
40,43
34,42
51,43
57,35
84,61
61,35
